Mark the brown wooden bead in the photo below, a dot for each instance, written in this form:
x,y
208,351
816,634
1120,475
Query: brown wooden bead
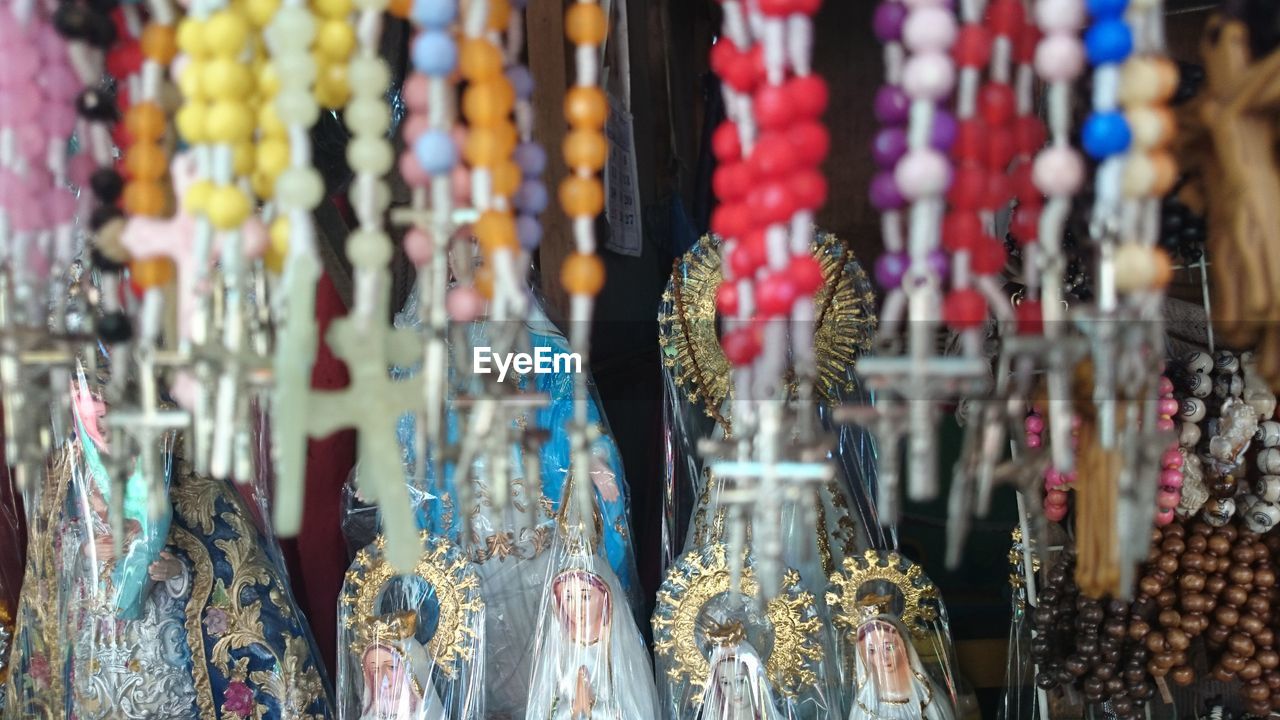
x,y
1231,663
1195,603
1167,598
1240,644
1170,618
1222,675
1200,527
1182,675
1241,575
1267,658
1197,543
1272,679
1192,560
1258,604
1214,584
1257,690
1167,562
1138,629
1264,577
1252,670
1175,529
1265,637
1173,545
1155,642
1249,624
1230,532
1243,553
1149,586
1219,545
1234,595
1191,623
1226,616
1177,639
1258,708
1217,634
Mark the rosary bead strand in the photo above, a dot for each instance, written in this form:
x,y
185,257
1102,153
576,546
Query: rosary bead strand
x,y
891,108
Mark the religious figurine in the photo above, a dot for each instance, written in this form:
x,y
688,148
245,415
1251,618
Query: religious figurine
x,y
591,662
411,644
703,619
214,631
508,538
890,679
738,688
699,406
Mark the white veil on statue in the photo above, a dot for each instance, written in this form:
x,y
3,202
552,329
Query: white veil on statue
x,y
590,661
890,681
737,688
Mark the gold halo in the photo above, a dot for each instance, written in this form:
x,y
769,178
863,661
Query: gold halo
x,y
920,597
701,575
443,567
844,308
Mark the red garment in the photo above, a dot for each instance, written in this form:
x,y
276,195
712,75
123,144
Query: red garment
x,y
316,575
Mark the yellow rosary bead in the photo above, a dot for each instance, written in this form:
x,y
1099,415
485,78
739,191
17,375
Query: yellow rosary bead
x,y
229,122
480,60
278,249
332,8
242,158
153,272
269,122
273,156
331,88
582,274
189,81
226,79
586,24
260,12
225,33
197,197
268,80
335,39
585,149
488,103
190,120
264,185
228,207
191,38
581,196
495,230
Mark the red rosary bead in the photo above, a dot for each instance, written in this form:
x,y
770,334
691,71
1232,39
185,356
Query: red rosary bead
x,y
775,294
968,187
988,258
1000,151
741,346
773,107
806,273
1024,187
1030,315
727,298
1006,17
731,220
1029,134
773,203
772,157
961,231
125,59
810,141
726,144
809,188
971,141
731,181
754,250
1025,223
972,47
809,95
1024,44
996,104
964,309
999,191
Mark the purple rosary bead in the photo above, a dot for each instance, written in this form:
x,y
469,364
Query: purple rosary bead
x,y
945,129
889,145
521,81
529,232
892,106
888,21
531,158
885,194
939,263
890,269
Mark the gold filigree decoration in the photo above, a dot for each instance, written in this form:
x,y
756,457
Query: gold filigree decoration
x,y
844,315
457,589
919,596
701,576
201,587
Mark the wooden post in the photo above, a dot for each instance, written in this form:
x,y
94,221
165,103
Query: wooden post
x,y
549,64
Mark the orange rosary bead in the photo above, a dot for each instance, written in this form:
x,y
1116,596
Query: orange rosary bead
x,y
487,146
586,24
585,149
159,43
506,178
499,14
152,273
582,274
495,230
586,107
581,196
484,282
480,60
145,161
400,8
144,198
145,122
489,102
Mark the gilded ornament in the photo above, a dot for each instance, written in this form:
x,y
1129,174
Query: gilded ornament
x,y
848,599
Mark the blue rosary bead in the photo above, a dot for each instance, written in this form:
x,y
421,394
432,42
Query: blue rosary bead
x,y
1109,41
435,53
529,232
1107,9
532,197
1105,134
436,152
435,14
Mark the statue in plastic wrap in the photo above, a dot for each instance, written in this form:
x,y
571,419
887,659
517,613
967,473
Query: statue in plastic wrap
x,y
193,620
738,688
698,405
890,679
590,660
412,644
509,546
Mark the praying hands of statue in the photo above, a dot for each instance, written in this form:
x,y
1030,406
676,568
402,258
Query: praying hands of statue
x,y
603,477
103,547
583,698
167,567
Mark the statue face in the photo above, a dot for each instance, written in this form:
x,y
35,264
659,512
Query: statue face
x,y
582,603
735,684
90,410
884,654
388,692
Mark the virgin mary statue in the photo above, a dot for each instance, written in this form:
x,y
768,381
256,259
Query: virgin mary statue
x,y
890,681
590,661
737,688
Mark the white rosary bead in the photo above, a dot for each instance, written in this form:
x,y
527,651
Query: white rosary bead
x,y
1267,487
300,188
291,31
367,115
369,154
1199,362
296,70
368,249
297,107
368,77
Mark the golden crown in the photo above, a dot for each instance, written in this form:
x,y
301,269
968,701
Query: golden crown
x,y
727,633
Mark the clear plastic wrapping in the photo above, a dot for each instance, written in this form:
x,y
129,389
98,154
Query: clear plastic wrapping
x,y
411,647
191,618
722,653
590,661
894,640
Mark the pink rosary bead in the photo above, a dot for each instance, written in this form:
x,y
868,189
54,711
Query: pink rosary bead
x,y
1170,494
